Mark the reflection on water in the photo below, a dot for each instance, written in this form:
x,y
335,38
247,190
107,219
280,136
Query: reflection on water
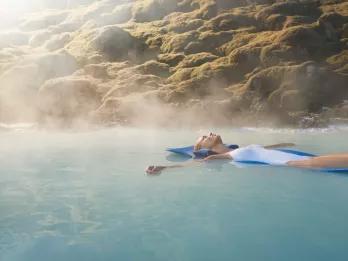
x,y
69,196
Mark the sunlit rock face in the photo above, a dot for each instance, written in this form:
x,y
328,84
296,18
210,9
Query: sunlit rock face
x,y
93,60
66,99
23,78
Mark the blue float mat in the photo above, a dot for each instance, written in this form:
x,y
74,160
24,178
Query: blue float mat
x,y
190,153
332,170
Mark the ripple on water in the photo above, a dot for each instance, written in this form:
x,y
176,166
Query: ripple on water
x,y
83,196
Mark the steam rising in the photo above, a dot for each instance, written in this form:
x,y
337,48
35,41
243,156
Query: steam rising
x,y
165,62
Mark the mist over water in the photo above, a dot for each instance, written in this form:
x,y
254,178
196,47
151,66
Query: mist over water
x,y
75,73
162,62
84,195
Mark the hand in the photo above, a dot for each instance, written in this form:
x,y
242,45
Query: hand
x,y
154,170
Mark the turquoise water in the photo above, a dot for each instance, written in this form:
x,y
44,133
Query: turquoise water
x,y
84,196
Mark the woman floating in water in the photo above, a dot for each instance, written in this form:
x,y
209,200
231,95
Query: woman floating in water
x,y
260,154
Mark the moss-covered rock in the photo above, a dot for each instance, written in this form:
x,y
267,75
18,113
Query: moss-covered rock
x,y
182,22
181,75
177,42
67,98
113,42
171,59
287,58
305,87
298,20
336,20
208,41
195,60
150,10
231,21
154,68
290,8
339,62
316,41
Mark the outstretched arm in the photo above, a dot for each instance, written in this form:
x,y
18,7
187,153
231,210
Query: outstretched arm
x,y
279,145
152,170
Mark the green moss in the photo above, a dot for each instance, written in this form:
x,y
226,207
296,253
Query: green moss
x,y
208,41
171,59
267,56
339,61
174,43
290,9
181,75
230,21
195,60
183,24
155,68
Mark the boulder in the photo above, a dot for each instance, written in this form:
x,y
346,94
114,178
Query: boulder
x,y
67,98
335,20
316,41
113,42
109,43
151,10
304,87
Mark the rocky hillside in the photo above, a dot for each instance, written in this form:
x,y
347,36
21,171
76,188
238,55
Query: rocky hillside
x,y
217,60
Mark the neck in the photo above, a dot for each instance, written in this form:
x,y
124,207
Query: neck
x,y
220,148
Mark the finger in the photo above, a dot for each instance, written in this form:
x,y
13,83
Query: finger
x,y
150,172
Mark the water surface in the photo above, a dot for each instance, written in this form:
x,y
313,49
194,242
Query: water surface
x,y
84,196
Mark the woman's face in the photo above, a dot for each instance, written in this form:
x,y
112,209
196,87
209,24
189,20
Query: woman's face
x,y
208,141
